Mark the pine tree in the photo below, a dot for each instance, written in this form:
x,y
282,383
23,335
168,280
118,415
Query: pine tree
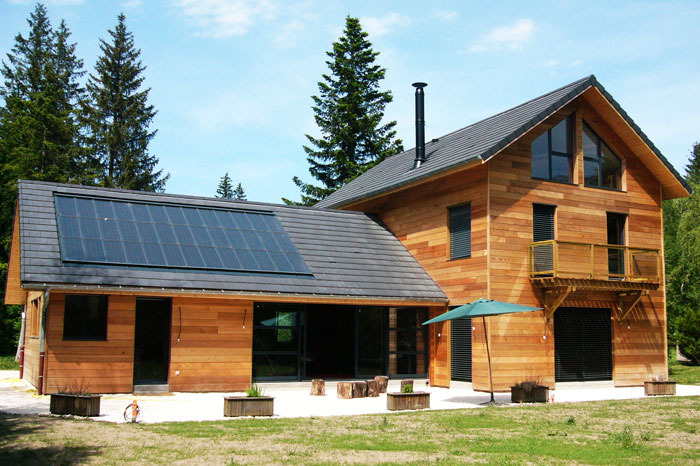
x,y
239,193
39,133
225,189
348,112
118,116
692,170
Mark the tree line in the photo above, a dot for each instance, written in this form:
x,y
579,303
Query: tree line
x,y
682,256
53,128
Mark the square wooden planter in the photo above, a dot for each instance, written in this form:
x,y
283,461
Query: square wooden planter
x,y
400,401
539,394
658,387
235,406
77,405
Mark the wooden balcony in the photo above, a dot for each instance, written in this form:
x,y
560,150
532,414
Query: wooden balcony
x,y
562,267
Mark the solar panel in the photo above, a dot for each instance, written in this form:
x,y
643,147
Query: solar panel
x,y
107,231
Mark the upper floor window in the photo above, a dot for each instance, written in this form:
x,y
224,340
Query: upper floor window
x,y
552,153
601,167
460,231
85,317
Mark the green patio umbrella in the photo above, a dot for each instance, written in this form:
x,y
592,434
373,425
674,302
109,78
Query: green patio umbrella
x,y
483,307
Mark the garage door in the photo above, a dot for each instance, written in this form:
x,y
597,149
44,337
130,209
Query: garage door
x,y
582,344
461,337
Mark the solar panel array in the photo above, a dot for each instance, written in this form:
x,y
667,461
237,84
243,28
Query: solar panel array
x,y
107,231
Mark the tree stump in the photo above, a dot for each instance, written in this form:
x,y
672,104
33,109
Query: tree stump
x,y
406,382
318,387
359,389
372,388
382,383
345,390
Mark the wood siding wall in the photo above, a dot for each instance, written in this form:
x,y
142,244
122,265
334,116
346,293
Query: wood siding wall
x,y
14,294
106,366
215,351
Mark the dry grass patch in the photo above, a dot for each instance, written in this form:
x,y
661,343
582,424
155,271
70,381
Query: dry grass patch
x,y
649,431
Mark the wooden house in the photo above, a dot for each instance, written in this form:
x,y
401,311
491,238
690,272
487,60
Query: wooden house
x,y
554,203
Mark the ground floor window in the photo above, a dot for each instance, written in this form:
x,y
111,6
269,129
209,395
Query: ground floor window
x,y
85,317
303,341
582,344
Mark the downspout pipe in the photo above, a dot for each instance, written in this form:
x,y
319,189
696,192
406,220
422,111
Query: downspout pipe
x,y
42,341
19,356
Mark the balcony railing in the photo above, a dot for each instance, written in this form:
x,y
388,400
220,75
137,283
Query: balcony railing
x,y
565,259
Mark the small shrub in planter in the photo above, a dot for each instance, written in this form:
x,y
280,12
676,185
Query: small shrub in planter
x,y
407,399
529,391
255,403
660,385
76,400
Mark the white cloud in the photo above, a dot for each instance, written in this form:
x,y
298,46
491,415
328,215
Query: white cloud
x,y
130,4
225,18
377,27
552,63
511,37
575,63
446,15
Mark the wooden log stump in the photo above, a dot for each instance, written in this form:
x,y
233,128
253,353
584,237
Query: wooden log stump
x,y
345,390
318,387
372,388
359,389
382,383
406,382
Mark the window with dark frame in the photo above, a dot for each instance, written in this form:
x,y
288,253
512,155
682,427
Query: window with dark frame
x,y
601,167
85,317
460,231
552,153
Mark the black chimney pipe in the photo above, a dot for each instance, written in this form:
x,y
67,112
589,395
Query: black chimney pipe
x,y
420,125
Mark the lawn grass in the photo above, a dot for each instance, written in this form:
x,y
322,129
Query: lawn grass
x,y
7,362
645,431
685,374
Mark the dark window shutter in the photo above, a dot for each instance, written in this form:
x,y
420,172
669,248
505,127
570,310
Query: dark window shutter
x,y
460,231
461,336
542,222
543,230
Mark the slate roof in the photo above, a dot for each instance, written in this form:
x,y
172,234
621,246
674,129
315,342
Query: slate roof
x,y
478,141
350,254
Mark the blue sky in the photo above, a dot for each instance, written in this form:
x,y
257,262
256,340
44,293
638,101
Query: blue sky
x,y
232,79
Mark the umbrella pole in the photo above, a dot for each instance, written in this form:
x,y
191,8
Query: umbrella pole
x,y
488,354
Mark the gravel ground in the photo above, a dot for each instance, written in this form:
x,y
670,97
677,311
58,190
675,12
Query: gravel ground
x,y
293,400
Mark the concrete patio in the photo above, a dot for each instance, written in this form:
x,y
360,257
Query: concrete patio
x,y
292,399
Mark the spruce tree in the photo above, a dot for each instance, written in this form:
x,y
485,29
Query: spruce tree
x,y
239,193
39,133
118,116
225,189
348,111
692,170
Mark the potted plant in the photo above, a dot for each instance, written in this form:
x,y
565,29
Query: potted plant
x,y
75,399
407,399
529,391
255,403
660,385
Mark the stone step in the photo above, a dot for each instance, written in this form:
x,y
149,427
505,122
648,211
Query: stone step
x,y
150,389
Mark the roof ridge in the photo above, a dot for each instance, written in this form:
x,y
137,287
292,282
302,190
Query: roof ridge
x,y
186,197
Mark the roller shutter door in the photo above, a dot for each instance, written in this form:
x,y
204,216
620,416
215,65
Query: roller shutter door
x,y
461,337
582,344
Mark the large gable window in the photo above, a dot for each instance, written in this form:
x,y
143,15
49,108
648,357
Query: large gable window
x,y
601,167
552,153
85,318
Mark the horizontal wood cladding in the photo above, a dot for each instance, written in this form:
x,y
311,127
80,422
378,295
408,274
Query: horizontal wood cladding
x,y
519,350
439,370
103,366
419,218
210,348
14,294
